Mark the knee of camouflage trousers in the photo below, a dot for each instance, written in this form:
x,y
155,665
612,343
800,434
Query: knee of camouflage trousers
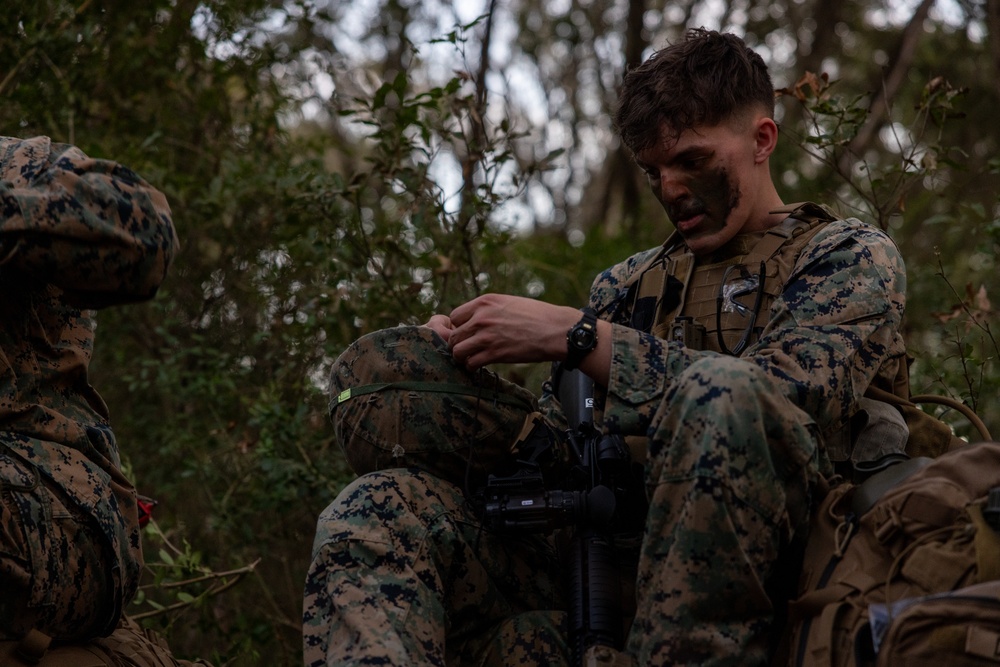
x,y
54,559
529,638
403,573
604,656
730,474
399,399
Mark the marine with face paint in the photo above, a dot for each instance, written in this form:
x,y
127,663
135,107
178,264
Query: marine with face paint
x,y
713,182
736,438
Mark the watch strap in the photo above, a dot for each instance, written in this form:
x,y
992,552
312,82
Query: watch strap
x,y
574,352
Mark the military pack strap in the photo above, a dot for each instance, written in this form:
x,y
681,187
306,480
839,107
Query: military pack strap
x,y
915,537
801,218
647,285
987,546
672,242
681,269
430,387
872,489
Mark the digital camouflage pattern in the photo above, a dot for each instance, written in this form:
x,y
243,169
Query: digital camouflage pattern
x,y
735,451
76,234
54,561
735,444
833,330
729,475
400,562
399,399
403,574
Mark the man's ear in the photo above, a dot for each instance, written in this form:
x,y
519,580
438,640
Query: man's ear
x,y
765,138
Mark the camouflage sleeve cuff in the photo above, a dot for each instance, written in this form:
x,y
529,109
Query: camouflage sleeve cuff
x,y
642,367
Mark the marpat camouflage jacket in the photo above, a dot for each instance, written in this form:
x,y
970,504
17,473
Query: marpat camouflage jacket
x,y
76,234
833,330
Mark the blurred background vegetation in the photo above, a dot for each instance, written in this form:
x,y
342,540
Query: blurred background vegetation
x,y
338,166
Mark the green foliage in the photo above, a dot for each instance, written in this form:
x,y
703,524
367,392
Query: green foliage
x,y
180,583
213,386
392,200
217,386
954,342
875,186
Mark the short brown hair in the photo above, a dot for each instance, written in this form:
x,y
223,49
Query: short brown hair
x,y
706,79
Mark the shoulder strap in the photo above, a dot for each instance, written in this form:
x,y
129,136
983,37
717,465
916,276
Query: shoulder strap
x,y
672,242
647,285
801,218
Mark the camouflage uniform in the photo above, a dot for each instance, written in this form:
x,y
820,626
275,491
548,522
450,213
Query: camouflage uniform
x,y
76,234
735,448
400,562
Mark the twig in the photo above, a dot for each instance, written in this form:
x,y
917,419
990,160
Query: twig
x,y
213,591
243,571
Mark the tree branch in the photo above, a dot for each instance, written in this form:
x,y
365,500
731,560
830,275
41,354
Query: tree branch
x,y
993,29
890,84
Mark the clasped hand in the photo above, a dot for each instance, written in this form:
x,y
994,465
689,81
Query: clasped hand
x,y
500,328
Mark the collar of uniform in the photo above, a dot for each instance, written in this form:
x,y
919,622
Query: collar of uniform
x,y
738,246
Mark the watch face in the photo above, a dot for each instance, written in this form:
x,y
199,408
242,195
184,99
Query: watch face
x,y
583,337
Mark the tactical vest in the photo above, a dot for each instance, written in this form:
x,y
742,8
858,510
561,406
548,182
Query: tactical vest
x,y
721,304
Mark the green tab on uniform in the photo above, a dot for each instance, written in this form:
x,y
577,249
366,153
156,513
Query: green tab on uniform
x,y
343,396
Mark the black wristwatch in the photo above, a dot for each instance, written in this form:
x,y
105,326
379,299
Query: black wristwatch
x,y
581,339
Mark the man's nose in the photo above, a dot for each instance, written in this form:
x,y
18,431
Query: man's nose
x,y
671,187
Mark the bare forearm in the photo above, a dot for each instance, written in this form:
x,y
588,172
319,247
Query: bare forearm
x,y
498,328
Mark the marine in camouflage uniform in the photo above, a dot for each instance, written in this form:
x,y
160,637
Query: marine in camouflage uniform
x,y
76,234
736,444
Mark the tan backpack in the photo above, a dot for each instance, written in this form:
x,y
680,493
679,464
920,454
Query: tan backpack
x,y
955,628
904,568
130,645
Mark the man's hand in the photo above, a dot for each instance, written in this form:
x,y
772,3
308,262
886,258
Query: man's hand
x,y
499,328
442,325
508,329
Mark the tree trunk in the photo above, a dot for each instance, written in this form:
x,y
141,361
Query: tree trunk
x,y
993,28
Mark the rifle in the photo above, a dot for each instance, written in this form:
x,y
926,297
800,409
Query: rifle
x,y
597,495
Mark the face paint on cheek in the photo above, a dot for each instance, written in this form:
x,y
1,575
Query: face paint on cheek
x,y
718,195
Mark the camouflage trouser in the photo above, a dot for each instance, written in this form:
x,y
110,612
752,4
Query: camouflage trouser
x,y
402,574
730,469
55,562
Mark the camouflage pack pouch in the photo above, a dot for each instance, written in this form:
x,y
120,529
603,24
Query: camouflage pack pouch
x,y
56,570
400,400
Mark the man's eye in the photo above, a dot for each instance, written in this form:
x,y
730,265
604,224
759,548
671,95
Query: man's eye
x,y
652,174
693,162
